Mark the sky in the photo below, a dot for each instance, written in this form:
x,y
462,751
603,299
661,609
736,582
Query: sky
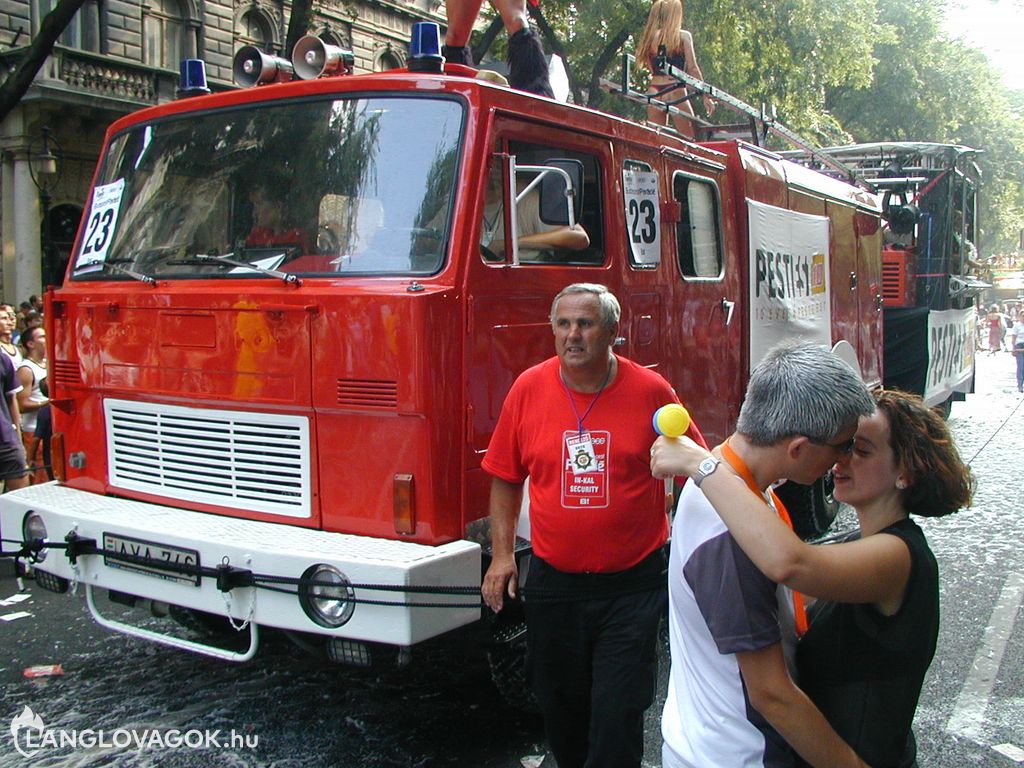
x,y
995,27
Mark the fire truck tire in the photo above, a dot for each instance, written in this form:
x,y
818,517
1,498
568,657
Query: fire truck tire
x,y
507,661
811,507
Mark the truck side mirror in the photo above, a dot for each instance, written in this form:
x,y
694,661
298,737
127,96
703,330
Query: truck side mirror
x,y
554,202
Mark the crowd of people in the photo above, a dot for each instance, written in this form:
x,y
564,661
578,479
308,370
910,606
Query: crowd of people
x,y
25,407
783,653
1001,327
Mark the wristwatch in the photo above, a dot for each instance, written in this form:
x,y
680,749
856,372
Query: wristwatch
x,y
705,468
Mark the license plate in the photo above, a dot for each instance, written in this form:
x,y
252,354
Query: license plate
x,y
160,555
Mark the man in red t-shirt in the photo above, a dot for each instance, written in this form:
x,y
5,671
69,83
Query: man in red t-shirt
x,y
579,426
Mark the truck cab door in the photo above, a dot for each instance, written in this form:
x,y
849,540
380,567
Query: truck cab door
x,y
705,316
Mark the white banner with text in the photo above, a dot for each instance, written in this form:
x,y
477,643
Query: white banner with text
x,y
789,278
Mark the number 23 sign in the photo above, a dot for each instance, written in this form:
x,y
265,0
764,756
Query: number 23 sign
x,y
100,225
643,215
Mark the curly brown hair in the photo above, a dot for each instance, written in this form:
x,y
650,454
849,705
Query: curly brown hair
x,y
939,483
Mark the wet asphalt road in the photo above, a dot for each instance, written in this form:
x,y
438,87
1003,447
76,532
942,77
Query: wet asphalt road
x,y
441,710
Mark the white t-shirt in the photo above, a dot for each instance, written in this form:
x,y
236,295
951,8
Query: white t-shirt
x,y
1017,334
720,604
28,418
527,217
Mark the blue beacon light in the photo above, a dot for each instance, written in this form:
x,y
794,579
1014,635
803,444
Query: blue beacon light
x,y
425,48
193,78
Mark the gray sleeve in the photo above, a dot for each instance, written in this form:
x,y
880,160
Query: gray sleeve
x,y
738,602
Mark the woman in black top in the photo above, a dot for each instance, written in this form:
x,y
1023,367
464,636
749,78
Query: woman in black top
x,y
874,629
665,28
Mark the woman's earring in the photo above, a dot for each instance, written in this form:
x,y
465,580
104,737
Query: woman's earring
x,y
901,484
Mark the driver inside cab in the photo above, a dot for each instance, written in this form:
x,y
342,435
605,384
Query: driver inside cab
x,y
537,240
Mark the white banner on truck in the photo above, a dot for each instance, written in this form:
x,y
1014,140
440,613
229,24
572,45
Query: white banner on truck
x,y
951,341
789,278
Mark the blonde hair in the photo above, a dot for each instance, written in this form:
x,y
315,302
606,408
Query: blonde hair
x,y
664,27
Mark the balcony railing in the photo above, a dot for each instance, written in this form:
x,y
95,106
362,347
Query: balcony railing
x,y
81,73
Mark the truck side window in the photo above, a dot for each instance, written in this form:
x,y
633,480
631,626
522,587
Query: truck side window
x,y
697,233
531,218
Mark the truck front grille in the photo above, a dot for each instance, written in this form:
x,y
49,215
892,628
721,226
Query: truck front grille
x,y
246,461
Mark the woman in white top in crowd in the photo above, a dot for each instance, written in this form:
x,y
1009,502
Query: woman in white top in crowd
x,y
31,374
1017,344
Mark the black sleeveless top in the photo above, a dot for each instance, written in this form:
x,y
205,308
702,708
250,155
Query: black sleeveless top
x,y
864,670
677,60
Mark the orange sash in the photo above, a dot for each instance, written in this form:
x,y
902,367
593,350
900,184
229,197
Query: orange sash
x,y
738,464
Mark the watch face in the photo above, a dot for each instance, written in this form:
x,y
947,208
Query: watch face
x,y
707,466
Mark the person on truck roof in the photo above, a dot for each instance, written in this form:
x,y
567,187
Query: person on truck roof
x,y
664,28
528,67
578,425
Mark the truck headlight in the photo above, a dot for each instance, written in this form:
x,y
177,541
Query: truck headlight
x,y
328,603
33,527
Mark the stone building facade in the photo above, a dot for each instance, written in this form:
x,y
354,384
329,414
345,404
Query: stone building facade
x,y
118,56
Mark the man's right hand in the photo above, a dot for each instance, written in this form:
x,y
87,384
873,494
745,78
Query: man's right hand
x,y
502,577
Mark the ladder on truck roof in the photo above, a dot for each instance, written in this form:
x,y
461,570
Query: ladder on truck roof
x,y
893,164
758,127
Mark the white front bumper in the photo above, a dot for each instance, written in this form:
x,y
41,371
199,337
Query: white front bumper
x,y
267,549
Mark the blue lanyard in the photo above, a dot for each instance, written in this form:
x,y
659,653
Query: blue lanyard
x,y
572,401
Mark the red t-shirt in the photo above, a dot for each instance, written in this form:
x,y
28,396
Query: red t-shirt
x,y
599,518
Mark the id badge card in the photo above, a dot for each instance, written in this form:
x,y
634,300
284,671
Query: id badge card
x,y
582,457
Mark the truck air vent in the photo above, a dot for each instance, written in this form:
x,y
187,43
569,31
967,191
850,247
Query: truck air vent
x,y
368,394
66,373
255,462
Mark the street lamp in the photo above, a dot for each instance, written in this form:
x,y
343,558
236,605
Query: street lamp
x,y
45,166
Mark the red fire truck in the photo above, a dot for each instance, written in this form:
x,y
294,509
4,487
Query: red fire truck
x,y
931,271
288,327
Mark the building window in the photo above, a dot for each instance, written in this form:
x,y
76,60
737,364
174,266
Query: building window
x,y
388,59
166,34
255,29
339,36
85,31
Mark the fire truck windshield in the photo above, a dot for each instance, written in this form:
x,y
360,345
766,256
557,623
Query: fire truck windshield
x,y
314,188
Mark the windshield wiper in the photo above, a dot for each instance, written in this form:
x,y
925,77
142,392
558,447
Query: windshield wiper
x,y
117,267
288,278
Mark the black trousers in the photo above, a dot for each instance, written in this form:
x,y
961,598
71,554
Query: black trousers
x,y
593,661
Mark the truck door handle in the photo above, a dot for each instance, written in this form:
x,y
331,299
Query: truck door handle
x,y
853,280
728,307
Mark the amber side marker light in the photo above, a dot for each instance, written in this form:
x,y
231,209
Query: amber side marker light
x,y
57,458
405,506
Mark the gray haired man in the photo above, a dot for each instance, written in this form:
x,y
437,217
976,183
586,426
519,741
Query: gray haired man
x,y
731,698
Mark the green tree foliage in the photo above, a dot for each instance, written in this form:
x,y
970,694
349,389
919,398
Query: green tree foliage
x,y
836,71
788,54
927,87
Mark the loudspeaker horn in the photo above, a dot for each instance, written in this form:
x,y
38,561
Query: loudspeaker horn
x,y
312,57
254,67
